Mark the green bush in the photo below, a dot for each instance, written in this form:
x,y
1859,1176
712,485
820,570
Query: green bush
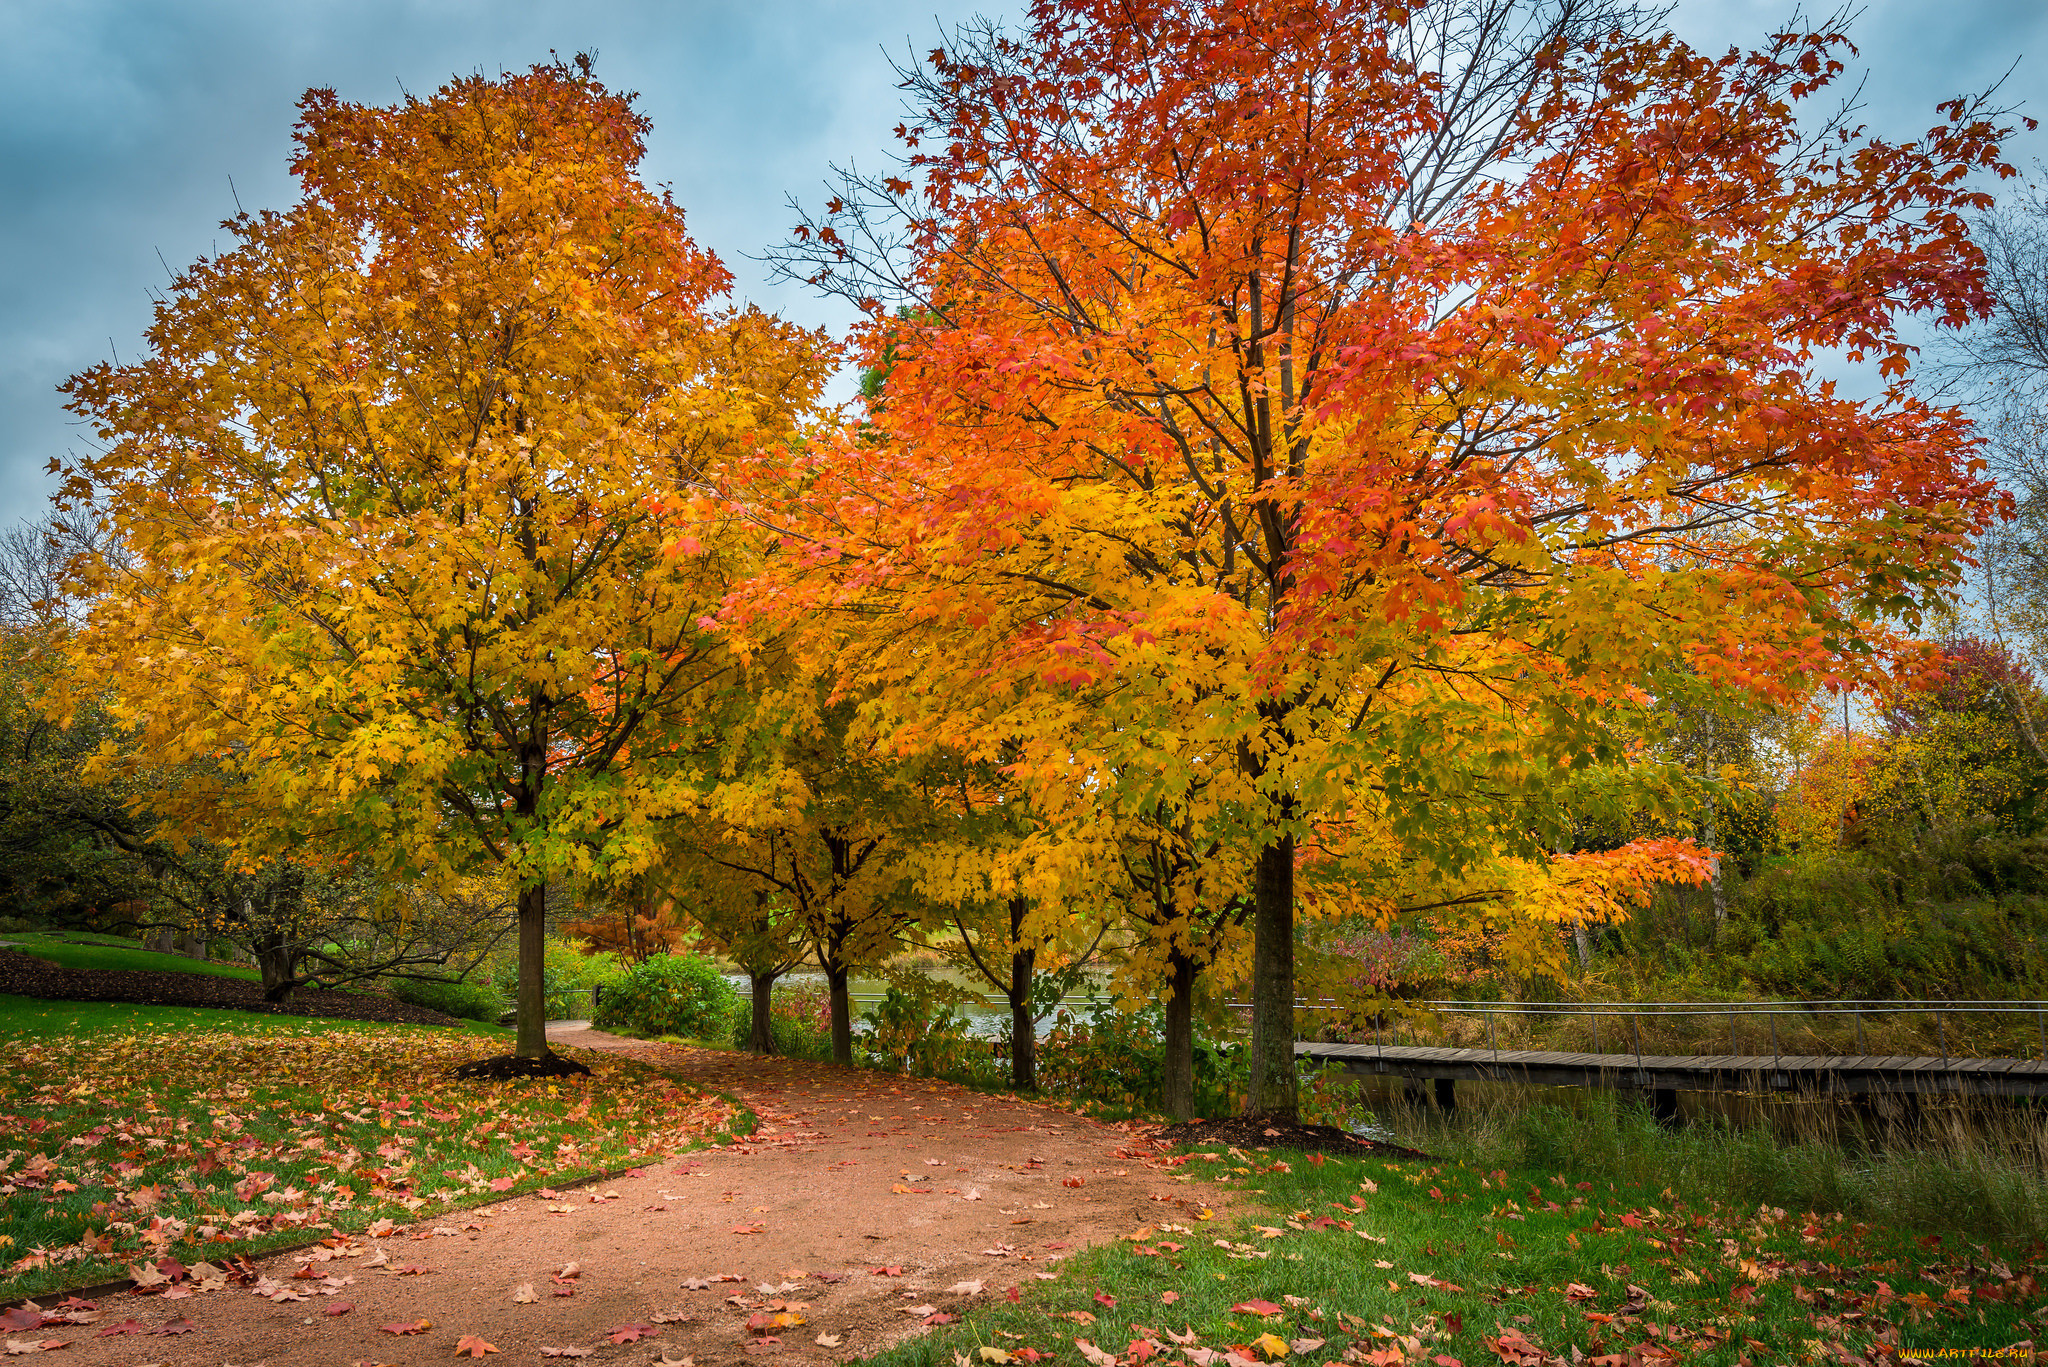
x,y
470,1001
1118,1059
914,1029
670,994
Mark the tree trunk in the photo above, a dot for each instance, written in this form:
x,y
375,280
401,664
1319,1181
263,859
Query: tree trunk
x,y
836,977
760,1038
1023,1029
1272,1092
1714,866
274,960
1582,940
1180,1038
532,1036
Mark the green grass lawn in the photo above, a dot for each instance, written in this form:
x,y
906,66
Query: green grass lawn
x,y
134,1132
35,1016
79,949
1388,1263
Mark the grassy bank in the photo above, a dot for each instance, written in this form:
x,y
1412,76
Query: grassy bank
x,y
81,949
135,1132
1453,1264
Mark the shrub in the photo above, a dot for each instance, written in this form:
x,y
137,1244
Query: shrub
x,y
470,1001
1118,1059
914,1029
799,1021
670,994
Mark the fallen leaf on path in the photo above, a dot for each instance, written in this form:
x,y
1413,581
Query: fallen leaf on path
x,y
416,1327
888,1271
469,1345
631,1333
340,1308
965,1288
524,1294
565,1352
941,1318
828,1340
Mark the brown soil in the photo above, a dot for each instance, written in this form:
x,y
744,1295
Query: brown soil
x,y
24,975
1248,1133
860,1197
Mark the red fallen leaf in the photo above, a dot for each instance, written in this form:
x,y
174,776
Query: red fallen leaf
x,y
1513,1349
18,1318
888,1272
830,1278
1266,1308
1316,1159
1168,1297
566,1289
181,1325
413,1270
755,1228
1629,1221
469,1345
504,1183
306,1274
1073,1181
1104,1298
339,1308
1029,1354
631,1333
941,1318
130,1326
416,1327
1013,1295
1446,1360
1141,1349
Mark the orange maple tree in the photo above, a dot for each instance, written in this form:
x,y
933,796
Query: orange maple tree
x,y
1364,398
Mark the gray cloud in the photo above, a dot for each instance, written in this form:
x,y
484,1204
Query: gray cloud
x,y
122,123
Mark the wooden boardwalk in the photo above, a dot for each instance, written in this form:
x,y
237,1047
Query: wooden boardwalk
x,y
1836,1075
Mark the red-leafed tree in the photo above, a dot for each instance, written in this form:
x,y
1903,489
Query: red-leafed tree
x,y
1366,399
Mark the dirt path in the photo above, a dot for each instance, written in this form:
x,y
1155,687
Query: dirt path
x,y
860,1197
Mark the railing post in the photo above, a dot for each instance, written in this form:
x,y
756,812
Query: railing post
x,y
1941,1029
1775,1050
1859,1032
1733,1050
1635,1021
1494,1035
1594,1016
2041,1023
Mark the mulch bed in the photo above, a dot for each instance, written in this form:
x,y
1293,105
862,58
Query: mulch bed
x,y
1249,1133
24,975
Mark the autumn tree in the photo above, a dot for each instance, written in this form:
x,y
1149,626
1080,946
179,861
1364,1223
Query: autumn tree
x,y
1376,394
400,580
729,886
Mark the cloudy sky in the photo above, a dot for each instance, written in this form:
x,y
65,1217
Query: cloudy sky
x,y
129,128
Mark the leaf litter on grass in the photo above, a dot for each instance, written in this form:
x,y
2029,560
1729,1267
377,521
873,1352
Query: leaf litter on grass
x,y
1533,1269
130,1147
